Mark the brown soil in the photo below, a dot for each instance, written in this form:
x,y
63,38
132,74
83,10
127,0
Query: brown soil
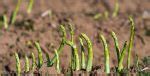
x,y
79,13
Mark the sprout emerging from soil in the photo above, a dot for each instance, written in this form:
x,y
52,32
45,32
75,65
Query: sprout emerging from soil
x,y
26,64
74,57
116,44
120,54
121,58
33,62
106,54
40,57
90,52
18,68
57,62
132,32
83,66
62,44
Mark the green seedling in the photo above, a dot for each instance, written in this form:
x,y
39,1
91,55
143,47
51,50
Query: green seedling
x,y
75,56
74,49
27,64
40,57
116,44
57,62
132,32
106,54
5,21
83,66
90,52
33,62
121,58
14,14
116,9
18,67
61,45
30,6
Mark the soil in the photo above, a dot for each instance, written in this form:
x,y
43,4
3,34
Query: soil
x,y
39,26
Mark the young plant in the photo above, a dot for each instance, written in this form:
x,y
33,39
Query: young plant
x,y
106,54
57,62
75,57
40,57
121,58
116,44
116,9
33,62
90,52
83,66
30,6
5,21
62,44
18,68
132,32
14,14
120,54
27,64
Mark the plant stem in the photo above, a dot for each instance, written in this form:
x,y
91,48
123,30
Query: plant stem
x,y
82,54
14,14
120,66
116,44
5,21
132,32
57,62
18,68
30,6
33,62
106,54
40,57
90,52
116,9
26,64
61,45
74,54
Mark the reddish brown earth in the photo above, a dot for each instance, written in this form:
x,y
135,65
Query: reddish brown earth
x,y
79,13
